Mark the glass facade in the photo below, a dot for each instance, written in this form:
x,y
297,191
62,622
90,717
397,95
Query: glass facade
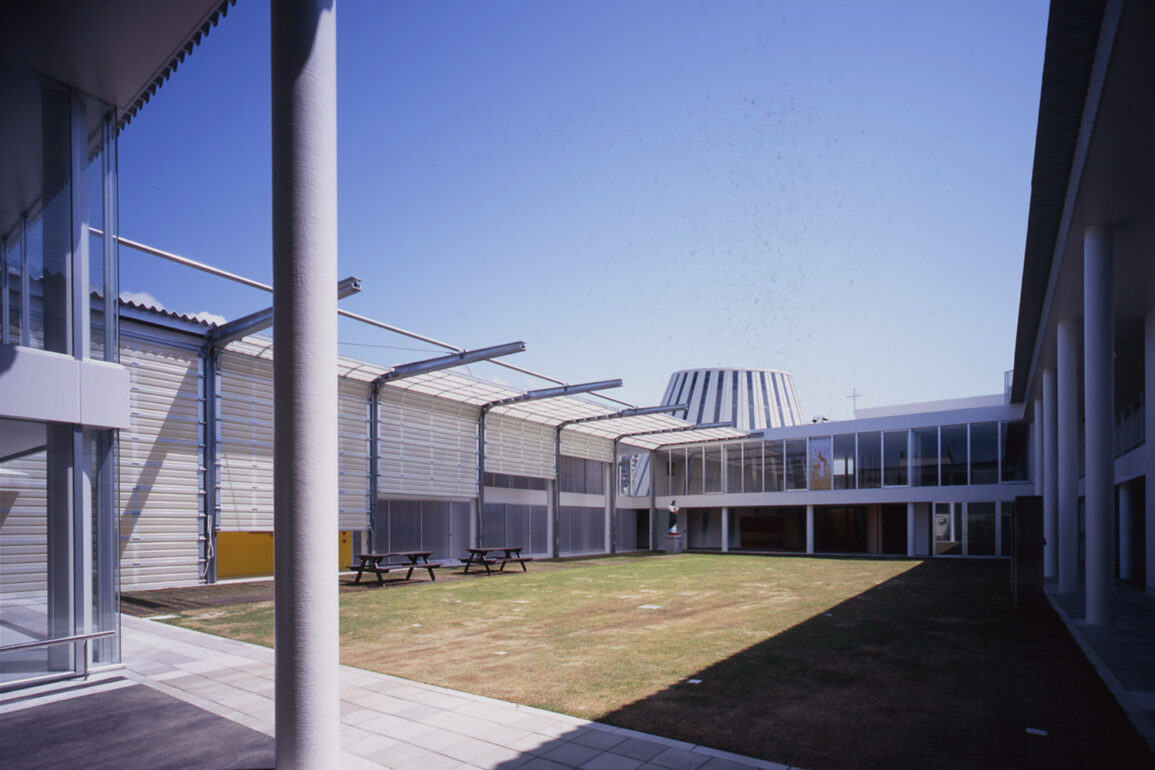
x,y
980,533
949,455
57,218
821,463
844,452
869,460
774,460
895,471
752,466
58,540
58,549
772,529
695,475
924,461
581,476
984,451
840,529
712,466
953,457
1014,451
796,463
507,481
948,529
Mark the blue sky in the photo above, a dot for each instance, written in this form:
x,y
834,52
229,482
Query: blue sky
x,y
837,189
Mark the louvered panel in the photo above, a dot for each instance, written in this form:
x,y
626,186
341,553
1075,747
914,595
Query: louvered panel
x,y
518,448
23,529
161,496
245,450
353,454
577,444
427,445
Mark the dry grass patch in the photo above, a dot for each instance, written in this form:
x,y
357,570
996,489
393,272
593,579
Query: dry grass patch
x,y
584,638
813,662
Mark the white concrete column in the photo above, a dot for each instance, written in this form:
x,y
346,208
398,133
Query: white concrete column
x,y
1149,427
1050,419
725,529
304,141
611,514
1067,387
1099,413
910,544
1037,446
552,519
1126,532
810,529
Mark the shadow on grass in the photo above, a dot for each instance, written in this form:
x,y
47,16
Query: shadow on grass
x,y
932,668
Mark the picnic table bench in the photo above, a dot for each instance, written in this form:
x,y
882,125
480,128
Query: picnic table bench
x,y
379,563
509,554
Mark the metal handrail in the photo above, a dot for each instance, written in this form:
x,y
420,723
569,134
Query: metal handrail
x,y
62,640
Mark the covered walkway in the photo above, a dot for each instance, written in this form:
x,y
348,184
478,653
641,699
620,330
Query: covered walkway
x,y
1123,653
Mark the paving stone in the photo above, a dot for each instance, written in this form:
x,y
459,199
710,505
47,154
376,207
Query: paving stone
x,y
638,748
541,763
680,759
572,754
598,739
609,761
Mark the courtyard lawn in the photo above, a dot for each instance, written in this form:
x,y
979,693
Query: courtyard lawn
x,y
815,662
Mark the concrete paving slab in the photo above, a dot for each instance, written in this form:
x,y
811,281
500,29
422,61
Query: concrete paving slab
x,y
386,721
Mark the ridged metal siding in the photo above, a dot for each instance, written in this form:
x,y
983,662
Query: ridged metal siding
x,y
577,444
245,451
427,445
518,448
24,540
753,399
161,471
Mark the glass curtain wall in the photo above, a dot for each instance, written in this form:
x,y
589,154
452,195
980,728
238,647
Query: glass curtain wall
x,y
953,455
844,451
980,532
58,546
752,466
984,451
774,464
712,460
894,456
694,471
795,463
869,460
1015,455
924,470
821,463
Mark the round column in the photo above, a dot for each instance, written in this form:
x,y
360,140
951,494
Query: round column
x,y
910,544
1099,414
810,529
1050,418
1126,533
304,163
1067,387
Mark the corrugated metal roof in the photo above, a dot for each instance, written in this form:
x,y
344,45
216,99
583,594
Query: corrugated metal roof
x,y
146,312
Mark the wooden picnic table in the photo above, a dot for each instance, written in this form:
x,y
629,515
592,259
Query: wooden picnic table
x,y
385,562
509,553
